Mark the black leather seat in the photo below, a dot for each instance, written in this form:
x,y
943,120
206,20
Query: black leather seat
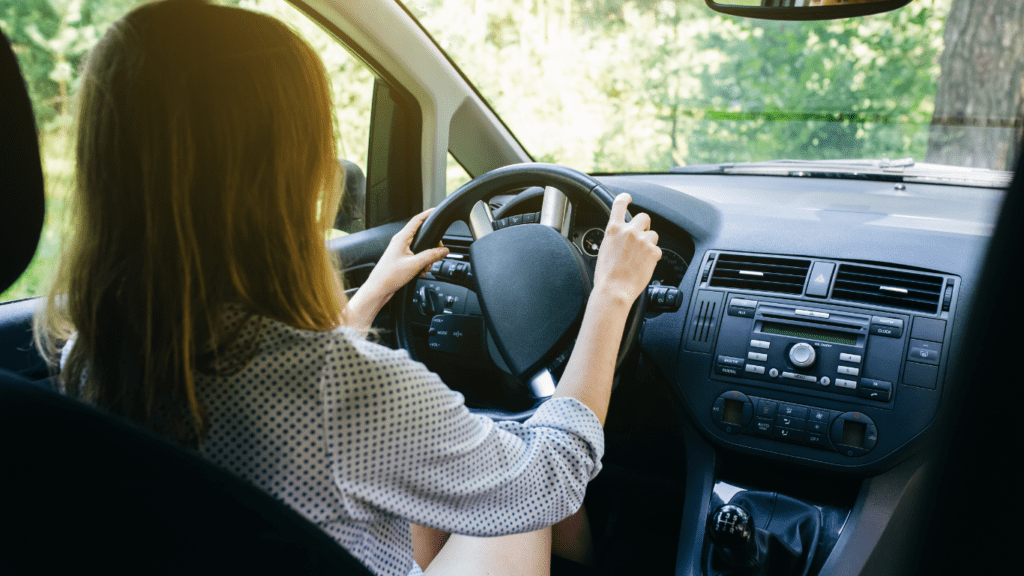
x,y
84,491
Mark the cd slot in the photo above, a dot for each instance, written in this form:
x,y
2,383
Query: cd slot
x,y
793,330
851,325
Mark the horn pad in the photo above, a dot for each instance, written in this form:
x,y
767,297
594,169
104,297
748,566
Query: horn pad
x,y
533,288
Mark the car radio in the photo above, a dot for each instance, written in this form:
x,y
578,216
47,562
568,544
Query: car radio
x,y
823,349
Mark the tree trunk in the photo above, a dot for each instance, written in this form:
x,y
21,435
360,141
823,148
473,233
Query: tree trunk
x,y
979,105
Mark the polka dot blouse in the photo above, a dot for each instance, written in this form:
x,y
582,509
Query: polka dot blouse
x,y
362,440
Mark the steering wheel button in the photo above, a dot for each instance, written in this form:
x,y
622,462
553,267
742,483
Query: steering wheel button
x,y
532,218
435,268
515,220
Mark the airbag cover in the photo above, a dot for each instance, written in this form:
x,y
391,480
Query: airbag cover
x,y
532,289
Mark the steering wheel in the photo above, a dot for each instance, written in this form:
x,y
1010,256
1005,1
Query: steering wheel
x,y
532,283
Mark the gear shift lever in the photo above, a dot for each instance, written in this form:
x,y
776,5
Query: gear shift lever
x,y
731,530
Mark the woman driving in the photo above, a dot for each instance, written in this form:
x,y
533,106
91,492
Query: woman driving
x,y
204,305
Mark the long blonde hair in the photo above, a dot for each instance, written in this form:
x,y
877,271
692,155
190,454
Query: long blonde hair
x,y
205,176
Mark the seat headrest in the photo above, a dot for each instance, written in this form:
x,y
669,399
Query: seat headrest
x,y
22,203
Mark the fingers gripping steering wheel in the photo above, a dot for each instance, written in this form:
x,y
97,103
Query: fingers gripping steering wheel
x,y
532,284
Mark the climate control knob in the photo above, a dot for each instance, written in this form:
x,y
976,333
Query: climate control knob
x,y
802,355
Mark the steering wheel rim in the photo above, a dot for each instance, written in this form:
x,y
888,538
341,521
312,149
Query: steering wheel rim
x,y
578,189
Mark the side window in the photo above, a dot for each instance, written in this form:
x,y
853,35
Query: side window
x,y
51,38
456,174
352,87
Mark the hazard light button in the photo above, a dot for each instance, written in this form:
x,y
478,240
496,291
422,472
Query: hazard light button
x,y
821,276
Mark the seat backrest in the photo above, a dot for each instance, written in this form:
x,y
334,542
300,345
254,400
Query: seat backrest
x,y
82,490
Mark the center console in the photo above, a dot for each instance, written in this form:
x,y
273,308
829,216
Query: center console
x,y
826,362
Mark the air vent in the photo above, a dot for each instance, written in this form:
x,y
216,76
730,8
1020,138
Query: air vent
x,y
764,273
886,287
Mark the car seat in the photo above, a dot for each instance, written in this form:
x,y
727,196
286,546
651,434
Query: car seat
x,y
83,490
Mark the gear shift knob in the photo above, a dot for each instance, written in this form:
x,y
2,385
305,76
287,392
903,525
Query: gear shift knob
x,y
731,530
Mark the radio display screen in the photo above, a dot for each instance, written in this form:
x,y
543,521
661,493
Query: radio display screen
x,y
809,333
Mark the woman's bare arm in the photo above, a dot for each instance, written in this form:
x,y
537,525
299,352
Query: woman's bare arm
x,y
626,263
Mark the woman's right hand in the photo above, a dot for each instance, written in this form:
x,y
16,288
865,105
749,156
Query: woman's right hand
x,y
629,253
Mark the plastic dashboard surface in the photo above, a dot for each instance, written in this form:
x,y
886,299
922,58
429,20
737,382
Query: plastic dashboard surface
x,y
915,231
934,231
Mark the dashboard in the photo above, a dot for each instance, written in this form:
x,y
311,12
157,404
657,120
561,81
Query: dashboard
x,y
815,315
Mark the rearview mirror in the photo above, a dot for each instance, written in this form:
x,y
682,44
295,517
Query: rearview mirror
x,y
804,9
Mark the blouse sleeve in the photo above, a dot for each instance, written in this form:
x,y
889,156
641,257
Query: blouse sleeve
x,y
398,439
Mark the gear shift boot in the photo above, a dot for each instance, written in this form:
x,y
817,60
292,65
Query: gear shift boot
x,y
762,534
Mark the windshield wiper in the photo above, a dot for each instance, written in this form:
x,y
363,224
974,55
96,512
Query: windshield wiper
x,y
901,170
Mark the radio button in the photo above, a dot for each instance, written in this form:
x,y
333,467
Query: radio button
x,y
789,435
800,377
825,381
794,411
774,373
849,384
790,422
882,326
730,361
754,368
728,370
743,303
741,312
875,390
854,358
759,357
849,371
760,344
802,355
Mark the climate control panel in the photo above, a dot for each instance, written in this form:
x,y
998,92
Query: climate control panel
x,y
852,434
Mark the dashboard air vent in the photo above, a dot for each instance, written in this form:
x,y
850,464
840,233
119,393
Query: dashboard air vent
x,y
887,287
765,273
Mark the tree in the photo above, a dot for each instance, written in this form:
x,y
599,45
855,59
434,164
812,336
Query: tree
x,y
979,105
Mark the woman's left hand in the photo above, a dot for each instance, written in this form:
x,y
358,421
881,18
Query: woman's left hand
x,y
396,268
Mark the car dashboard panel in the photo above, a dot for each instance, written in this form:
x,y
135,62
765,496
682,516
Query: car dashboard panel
x,y
816,315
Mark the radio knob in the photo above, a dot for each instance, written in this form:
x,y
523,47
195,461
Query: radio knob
x,y
802,355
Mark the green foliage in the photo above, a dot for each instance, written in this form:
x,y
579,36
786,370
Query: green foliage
x,y
643,85
51,38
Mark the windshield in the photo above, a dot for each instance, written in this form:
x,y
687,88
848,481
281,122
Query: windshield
x,y
612,86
